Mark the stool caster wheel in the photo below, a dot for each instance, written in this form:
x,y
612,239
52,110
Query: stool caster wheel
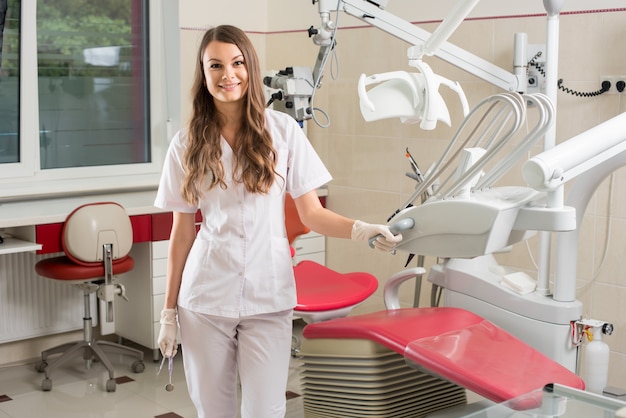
x,y
46,385
110,385
138,366
41,366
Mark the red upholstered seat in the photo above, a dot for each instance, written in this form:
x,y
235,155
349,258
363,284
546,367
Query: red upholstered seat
x,y
293,224
456,345
321,289
63,268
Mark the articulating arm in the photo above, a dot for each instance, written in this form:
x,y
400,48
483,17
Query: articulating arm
x,y
435,43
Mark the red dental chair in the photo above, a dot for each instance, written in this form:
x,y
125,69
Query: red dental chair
x,y
454,344
450,343
323,293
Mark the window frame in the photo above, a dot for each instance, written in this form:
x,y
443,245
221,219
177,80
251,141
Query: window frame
x,y
26,180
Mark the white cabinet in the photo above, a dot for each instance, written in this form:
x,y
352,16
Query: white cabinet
x,y
138,318
159,277
311,246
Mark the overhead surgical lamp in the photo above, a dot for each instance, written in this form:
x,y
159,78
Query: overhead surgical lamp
x,y
398,94
412,97
415,97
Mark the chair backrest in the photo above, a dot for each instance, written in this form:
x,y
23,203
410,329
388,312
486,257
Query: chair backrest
x,y
89,227
294,225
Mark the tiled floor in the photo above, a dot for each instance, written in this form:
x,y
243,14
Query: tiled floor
x,y
80,393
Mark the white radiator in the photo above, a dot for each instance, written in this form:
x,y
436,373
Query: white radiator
x,y
32,306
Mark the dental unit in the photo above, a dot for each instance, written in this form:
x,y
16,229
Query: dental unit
x,y
459,211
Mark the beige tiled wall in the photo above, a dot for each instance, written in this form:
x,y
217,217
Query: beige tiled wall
x,y
368,163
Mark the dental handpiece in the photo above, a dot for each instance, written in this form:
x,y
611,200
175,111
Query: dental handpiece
x,y
396,228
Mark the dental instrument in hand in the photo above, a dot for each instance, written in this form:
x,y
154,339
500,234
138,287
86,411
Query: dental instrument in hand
x,y
170,367
398,227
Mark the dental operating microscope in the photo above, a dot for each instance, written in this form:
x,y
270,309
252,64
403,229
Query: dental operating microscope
x,y
463,217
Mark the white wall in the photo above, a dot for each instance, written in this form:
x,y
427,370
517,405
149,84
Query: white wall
x,y
250,15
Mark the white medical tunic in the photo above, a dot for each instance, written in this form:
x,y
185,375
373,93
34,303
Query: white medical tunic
x,y
240,263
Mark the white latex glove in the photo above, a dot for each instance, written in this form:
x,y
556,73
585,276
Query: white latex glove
x,y
168,333
386,241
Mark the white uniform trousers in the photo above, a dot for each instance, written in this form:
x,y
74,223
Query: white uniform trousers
x,y
215,349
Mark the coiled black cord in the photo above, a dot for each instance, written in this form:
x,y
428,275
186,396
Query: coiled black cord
x,y
533,63
606,85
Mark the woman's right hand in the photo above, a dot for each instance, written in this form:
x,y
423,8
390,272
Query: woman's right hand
x,y
168,333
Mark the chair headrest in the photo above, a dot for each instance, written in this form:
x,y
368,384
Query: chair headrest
x,y
89,227
293,224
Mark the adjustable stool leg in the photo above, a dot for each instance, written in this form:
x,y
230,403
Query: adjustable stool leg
x,y
87,330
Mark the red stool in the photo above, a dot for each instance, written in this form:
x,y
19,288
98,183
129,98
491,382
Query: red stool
x,y
96,239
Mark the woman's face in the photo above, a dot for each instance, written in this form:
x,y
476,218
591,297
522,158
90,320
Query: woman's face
x,y
225,72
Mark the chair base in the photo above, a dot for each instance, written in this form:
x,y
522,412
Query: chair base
x,y
312,317
91,350
457,345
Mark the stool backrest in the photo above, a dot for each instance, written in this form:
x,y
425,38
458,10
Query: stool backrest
x,y
294,225
89,227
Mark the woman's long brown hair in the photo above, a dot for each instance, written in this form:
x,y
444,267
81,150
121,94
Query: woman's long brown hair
x,y
255,157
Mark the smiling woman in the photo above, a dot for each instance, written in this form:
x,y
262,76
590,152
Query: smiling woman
x,y
86,91
225,72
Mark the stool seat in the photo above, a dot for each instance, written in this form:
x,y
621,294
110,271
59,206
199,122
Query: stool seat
x,y
63,268
456,345
322,289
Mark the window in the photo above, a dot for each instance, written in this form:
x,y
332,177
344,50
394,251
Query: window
x,y
92,78
87,103
9,80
